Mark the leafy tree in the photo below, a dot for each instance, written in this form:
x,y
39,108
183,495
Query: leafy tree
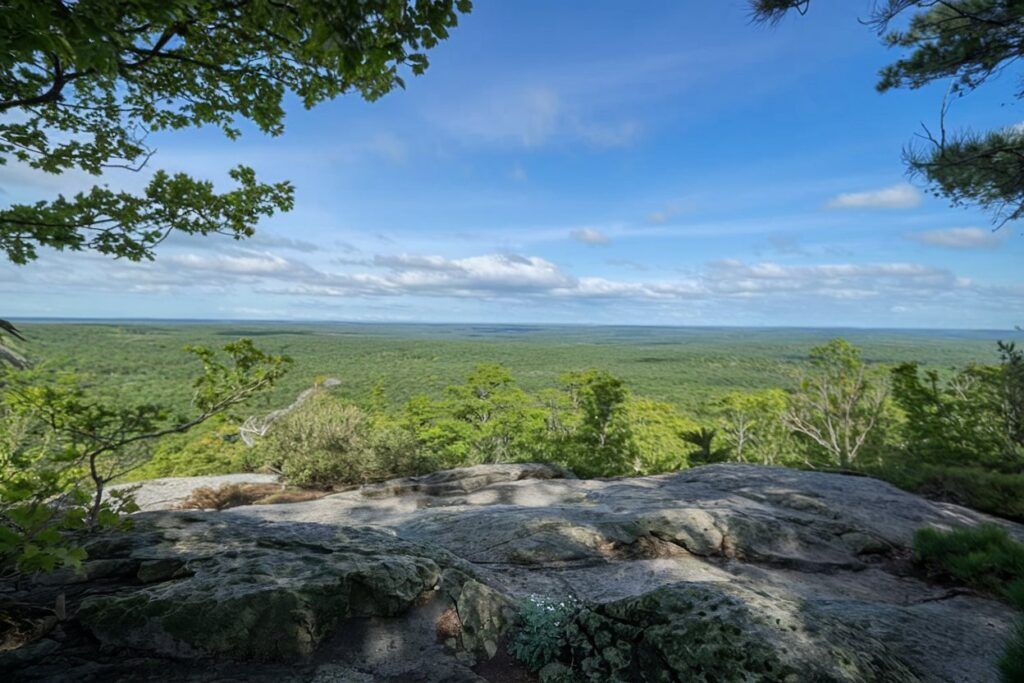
x,y
487,419
958,422
603,443
1012,362
83,83
62,447
503,422
752,426
974,418
967,42
838,404
657,429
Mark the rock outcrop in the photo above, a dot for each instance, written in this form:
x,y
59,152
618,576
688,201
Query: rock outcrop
x,y
719,573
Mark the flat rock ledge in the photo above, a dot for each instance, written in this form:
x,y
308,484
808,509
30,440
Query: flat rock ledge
x,y
718,573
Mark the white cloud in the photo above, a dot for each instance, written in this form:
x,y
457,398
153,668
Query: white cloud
x,y
762,292
532,116
248,263
628,263
670,211
902,196
958,238
526,116
274,241
590,236
836,281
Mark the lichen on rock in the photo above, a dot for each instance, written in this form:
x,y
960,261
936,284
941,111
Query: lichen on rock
x,y
719,573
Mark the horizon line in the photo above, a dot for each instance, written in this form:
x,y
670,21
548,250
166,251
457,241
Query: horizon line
x,y
312,321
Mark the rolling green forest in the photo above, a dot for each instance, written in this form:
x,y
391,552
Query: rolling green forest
x,y
688,367
934,412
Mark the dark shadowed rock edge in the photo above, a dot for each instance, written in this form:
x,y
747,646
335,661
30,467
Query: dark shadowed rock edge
x,y
719,573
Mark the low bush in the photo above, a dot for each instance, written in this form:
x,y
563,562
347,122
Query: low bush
x,y
997,493
984,557
327,443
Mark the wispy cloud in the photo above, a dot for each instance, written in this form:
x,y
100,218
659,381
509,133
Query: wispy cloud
x,y
589,236
533,116
958,238
668,212
830,281
902,196
628,263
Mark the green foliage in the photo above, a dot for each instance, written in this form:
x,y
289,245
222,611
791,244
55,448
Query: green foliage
x,y
497,419
31,531
541,630
984,557
680,380
658,431
585,426
81,85
326,443
690,368
1012,365
602,443
62,446
960,421
996,493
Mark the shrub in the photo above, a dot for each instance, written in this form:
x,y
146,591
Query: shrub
x,y
320,445
996,493
326,443
541,633
395,452
984,557
236,495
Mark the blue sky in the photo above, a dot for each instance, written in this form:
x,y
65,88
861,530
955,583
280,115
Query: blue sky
x,y
584,162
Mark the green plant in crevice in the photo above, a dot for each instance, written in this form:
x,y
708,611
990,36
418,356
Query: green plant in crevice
x,y
541,632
